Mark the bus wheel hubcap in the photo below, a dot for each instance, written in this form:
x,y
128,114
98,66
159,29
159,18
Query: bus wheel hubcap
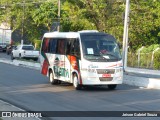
x,y
75,82
51,77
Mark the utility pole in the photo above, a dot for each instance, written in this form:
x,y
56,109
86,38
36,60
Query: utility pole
x,y
22,35
125,34
59,12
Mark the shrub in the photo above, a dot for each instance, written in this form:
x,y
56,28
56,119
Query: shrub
x,y
150,48
153,47
145,60
132,60
156,61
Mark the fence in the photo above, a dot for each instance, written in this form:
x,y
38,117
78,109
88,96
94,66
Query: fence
x,y
141,60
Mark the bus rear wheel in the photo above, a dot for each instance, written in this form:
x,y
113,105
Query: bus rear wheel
x,y
112,87
51,78
76,84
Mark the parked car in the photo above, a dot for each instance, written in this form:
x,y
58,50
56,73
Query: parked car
x,y
3,47
10,48
25,51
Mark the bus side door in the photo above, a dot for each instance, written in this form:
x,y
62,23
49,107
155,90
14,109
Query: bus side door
x,y
73,54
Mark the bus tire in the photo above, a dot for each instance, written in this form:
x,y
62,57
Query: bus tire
x,y
76,84
51,78
112,87
58,82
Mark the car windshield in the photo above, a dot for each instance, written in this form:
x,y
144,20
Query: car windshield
x,y
28,48
100,47
3,44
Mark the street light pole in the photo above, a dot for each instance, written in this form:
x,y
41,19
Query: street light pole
x,y
125,34
59,12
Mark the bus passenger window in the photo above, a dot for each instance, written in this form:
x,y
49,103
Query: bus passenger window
x,y
45,45
68,47
61,46
52,46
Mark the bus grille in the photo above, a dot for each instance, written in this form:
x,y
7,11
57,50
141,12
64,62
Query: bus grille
x,y
105,71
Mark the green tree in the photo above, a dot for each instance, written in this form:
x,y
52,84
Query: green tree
x,y
105,15
19,16
73,18
36,17
144,25
46,14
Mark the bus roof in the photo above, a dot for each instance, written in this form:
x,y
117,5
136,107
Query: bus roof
x,y
61,35
67,34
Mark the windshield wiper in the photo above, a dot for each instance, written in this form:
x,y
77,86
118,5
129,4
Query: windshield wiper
x,y
94,54
111,55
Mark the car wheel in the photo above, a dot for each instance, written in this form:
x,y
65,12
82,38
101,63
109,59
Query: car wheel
x,y
112,87
51,78
12,58
20,57
76,84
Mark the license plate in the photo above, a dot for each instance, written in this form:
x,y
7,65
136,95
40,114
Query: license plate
x,y
106,75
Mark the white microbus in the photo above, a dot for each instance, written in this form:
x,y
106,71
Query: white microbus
x,y
82,58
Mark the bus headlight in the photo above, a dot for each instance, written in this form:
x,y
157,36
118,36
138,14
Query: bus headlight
x,y
119,70
92,70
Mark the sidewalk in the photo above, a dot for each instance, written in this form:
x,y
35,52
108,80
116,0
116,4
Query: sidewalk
x,y
143,71
142,77
21,63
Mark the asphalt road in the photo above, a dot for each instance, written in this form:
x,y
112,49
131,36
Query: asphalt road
x,y
4,55
29,90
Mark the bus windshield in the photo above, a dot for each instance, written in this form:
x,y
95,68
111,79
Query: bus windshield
x,y
100,47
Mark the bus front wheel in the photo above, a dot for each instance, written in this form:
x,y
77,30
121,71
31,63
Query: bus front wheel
x,y
76,84
112,87
51,78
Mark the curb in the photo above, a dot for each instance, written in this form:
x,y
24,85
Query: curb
x,y
142,77
151,83
143,71
22,63
27,64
